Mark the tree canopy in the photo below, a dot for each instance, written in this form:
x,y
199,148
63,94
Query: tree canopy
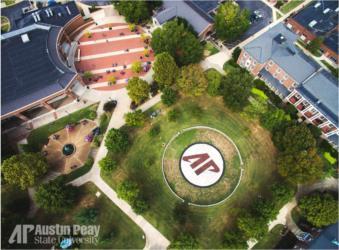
x,y
300,167
117,141
175,39
319,209
166,71
55,196
252,226
214,81
236,88
192,81
234,240
184,241
136,118
23,170
230,21
138,89
169,96
107,165
136,11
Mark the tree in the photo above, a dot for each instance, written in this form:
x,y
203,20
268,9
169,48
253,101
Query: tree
x,y
107,165
236,88
273,118
214,80
300,167
136,11
166,71
178,41
109,106
24,169
320,209
173,115
281,193
117,141
192,80
138,89
265,209
154,131
315,45
252,226
112,80
136,118
184,241
169,96
294,138
234,240
236,53
128,191
86,216
55,196
136,67
230,21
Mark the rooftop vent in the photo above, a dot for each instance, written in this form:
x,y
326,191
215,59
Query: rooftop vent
x,y
68,11
337,9
25,38
311,24
318,102
326,10
280,38
317,5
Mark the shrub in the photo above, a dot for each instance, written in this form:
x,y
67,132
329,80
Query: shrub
x,y
169,96
107,165
136,67
97,141
86,216
112,80
104,121
87,75
214,81
236,53
117,141
109,106
88,34
132,27
154,131
92,115
136,118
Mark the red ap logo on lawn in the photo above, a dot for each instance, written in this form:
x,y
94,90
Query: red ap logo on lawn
x,y
202,164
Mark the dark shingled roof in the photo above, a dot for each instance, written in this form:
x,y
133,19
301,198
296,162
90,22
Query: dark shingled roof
x,y
60,15
97,2
325,14
31,70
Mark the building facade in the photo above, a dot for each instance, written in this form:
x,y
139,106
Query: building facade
x,y
295,78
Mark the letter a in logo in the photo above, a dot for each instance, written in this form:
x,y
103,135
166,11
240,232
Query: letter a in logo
x,y
200,159
19,234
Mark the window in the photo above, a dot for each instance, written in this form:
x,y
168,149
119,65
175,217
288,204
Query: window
x,y
294,84
275,75
281,81
245,54
267,68
270,63
278,70
291,89
285,77
254,63
302,37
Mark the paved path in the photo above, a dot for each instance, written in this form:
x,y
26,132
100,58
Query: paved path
x,y
154,239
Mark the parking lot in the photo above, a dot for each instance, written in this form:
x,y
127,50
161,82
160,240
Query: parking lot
x,y
261,16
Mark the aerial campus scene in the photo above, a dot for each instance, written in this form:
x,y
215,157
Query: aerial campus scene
x,y
173,124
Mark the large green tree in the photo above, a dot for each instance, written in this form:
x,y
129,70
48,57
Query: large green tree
x,y
234,240
252,226
166,71
138,89
136,118
236,88
178,41
294,138
55,196
230,21
214,81
184,241
136,11
117,141
300,167
192,80
273,118
23,170
319,209
169,96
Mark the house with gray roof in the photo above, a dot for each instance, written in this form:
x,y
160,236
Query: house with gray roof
x,y
295,77
197,14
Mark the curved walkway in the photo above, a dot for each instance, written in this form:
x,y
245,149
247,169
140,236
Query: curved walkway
x,y
154,239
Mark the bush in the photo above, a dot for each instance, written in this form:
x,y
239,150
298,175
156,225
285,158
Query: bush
x,y
97,141
87,75
236,53
112,80
173,115
107,165
154,131
109,106
169,96
136,67
154,89
117,141
92,115
214,81
104,121
136,118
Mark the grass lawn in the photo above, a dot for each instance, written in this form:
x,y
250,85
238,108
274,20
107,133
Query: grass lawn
x,y
278,15
211,49
38,137
271,239
125,234
142,164
259,93
290,5
334,71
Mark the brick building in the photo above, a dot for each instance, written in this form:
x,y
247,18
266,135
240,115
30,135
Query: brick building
x,y
295,77
318,19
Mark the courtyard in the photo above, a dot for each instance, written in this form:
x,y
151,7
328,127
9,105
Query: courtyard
x,y
109,50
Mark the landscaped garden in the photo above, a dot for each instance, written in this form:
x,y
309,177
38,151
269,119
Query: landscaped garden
x,y
142,164
287,7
